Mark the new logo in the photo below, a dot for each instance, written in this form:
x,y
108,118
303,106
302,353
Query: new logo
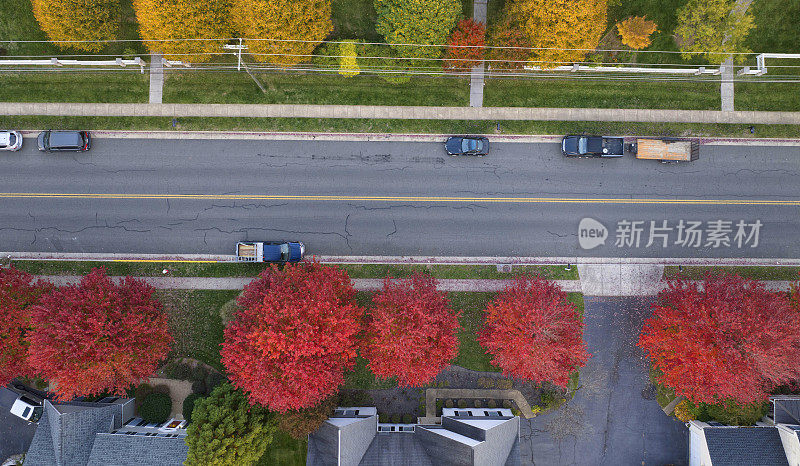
x,y
591,233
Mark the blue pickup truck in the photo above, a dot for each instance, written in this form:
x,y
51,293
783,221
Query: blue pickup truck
x,y
270,251
575,145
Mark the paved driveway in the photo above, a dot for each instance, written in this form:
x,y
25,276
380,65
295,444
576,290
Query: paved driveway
x,y
15,435
614,418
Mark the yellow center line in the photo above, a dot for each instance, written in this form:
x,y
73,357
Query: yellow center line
x,y
508,200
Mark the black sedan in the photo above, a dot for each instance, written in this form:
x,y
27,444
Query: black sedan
x,y
467,145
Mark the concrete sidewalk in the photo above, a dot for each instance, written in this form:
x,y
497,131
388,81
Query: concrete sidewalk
x,y
399,112
613,281
360,284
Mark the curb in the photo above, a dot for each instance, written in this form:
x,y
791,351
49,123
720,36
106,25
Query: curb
x,y
386,137
409,260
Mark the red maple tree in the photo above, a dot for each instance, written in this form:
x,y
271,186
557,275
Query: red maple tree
x,y
18,293
465,46
294,336
412,331
534,332
98,336
727,339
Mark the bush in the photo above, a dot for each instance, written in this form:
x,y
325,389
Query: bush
x,y
155,408
396,418
507,404
504,384
683,411
478,404
355,398
188,406
462,404
383,418
448,404
199,372
485,382
408,419
492,404
214,380
728,413
199,387
324,57
180,371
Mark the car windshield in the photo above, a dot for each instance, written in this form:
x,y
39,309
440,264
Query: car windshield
x,y
285,252
582,143
470,145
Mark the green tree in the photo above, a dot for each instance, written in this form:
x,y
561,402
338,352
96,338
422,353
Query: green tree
x,y
417,22
715,27
227,430
78,20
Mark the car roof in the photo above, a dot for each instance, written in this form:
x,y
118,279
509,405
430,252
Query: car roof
x,y
5,138
66,138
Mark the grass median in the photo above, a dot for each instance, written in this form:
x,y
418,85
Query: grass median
x,y
332,125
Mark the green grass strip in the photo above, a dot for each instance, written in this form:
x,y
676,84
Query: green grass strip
x,y
753,272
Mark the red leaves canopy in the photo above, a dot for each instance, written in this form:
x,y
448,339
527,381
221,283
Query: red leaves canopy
x,y
534,332
412,332
98,336
729,339
460,56
290,347
18,293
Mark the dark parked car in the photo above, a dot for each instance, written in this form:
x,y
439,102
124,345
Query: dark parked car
x,y
592,146
270,251
467,145
72,141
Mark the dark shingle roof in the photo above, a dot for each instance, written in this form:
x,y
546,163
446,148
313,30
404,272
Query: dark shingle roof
x,y
66,433
137,450
753,446
395,449
786,409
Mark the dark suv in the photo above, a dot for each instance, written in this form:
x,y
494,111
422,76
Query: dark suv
x,y
73,141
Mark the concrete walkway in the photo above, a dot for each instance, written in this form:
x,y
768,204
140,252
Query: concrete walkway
x,y
603,280
360,284
156,79
727,77
477,78
399,112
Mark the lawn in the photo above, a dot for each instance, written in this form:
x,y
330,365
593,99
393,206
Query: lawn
x,y
195,322
69,85
553,272
582,92
663,13
756,273
397,126
776,28
299,88
784,97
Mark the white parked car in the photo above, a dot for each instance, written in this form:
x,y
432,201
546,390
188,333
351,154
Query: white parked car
x,y
10,140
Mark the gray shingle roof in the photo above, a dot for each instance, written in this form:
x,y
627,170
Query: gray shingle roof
x,y
137,450
753,446
65,433
786,409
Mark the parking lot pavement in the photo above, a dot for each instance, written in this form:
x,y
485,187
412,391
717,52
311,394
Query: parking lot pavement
x,y
15,435
614,417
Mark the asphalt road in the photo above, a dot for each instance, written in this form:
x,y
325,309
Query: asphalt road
x,y
521,200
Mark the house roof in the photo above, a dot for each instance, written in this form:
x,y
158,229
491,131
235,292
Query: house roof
x,y
754,446
79,434
136,450
461,441
786,409
66,432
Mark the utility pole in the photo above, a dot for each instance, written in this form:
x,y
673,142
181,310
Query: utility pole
x,y
240,63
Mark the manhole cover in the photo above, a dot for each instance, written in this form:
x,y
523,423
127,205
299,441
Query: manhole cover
x,y
649,392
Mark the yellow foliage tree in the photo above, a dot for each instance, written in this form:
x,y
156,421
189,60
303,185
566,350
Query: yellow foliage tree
x,y
348,65
556,26
635,31
295,27
165,23
78,20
